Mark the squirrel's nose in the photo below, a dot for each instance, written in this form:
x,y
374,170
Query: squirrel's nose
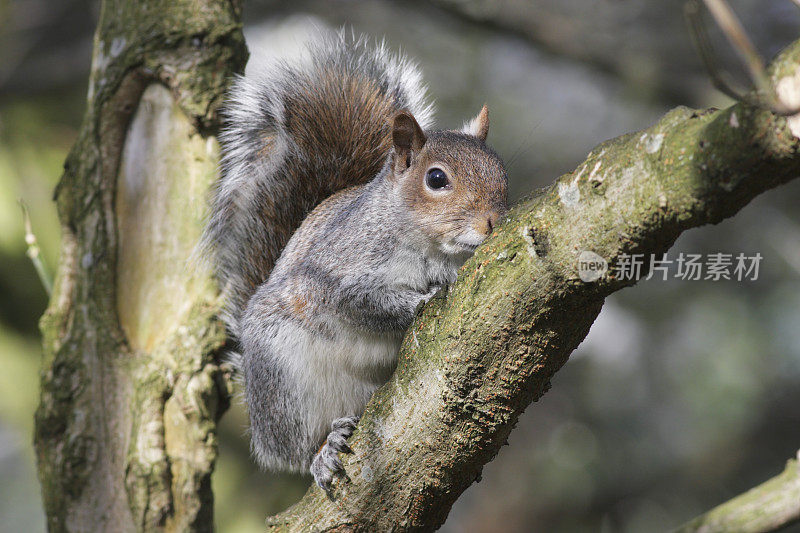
x,y
487,223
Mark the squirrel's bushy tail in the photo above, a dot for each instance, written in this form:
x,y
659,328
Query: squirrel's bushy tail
x,y
294,134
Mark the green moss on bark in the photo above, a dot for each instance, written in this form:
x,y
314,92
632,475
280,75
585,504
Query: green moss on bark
x,y
130,380
771,506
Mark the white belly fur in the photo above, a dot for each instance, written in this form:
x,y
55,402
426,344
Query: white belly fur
x,y
335,377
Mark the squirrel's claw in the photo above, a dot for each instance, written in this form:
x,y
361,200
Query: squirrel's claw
x,y
326,463
338,442
345,423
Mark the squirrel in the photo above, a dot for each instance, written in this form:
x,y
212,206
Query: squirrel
x,y
337,213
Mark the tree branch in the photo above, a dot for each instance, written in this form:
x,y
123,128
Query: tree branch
x,y
770,506
476,358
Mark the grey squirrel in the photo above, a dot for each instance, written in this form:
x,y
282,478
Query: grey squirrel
x,y
337,213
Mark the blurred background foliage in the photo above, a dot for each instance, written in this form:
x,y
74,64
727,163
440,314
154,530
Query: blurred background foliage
x,y
684,394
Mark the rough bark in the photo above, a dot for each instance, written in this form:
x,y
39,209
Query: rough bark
x,y
131,389
771,506
476,358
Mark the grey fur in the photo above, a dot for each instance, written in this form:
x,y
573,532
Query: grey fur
x,y
321,330
343,261
236,235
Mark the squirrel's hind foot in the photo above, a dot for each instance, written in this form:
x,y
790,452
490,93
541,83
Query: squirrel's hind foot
x,y
326,463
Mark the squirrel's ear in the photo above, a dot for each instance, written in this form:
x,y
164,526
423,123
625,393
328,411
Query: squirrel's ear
x,y
478,126
407,138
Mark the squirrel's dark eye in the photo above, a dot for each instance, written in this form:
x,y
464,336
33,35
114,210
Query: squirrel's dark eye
x,y
436,179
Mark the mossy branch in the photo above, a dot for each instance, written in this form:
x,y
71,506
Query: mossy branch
x,y
771,506
475,358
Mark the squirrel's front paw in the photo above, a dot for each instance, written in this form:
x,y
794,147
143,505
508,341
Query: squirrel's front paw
x,y
326,463
432,290
423,298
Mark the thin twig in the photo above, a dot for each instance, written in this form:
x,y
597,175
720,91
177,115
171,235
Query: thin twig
x,y
764,96
706,51
34,252
727,21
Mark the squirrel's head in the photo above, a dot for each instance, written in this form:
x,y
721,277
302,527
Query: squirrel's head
x,y
453,184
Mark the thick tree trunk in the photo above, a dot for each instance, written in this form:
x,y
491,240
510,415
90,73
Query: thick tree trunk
x,y
131,389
